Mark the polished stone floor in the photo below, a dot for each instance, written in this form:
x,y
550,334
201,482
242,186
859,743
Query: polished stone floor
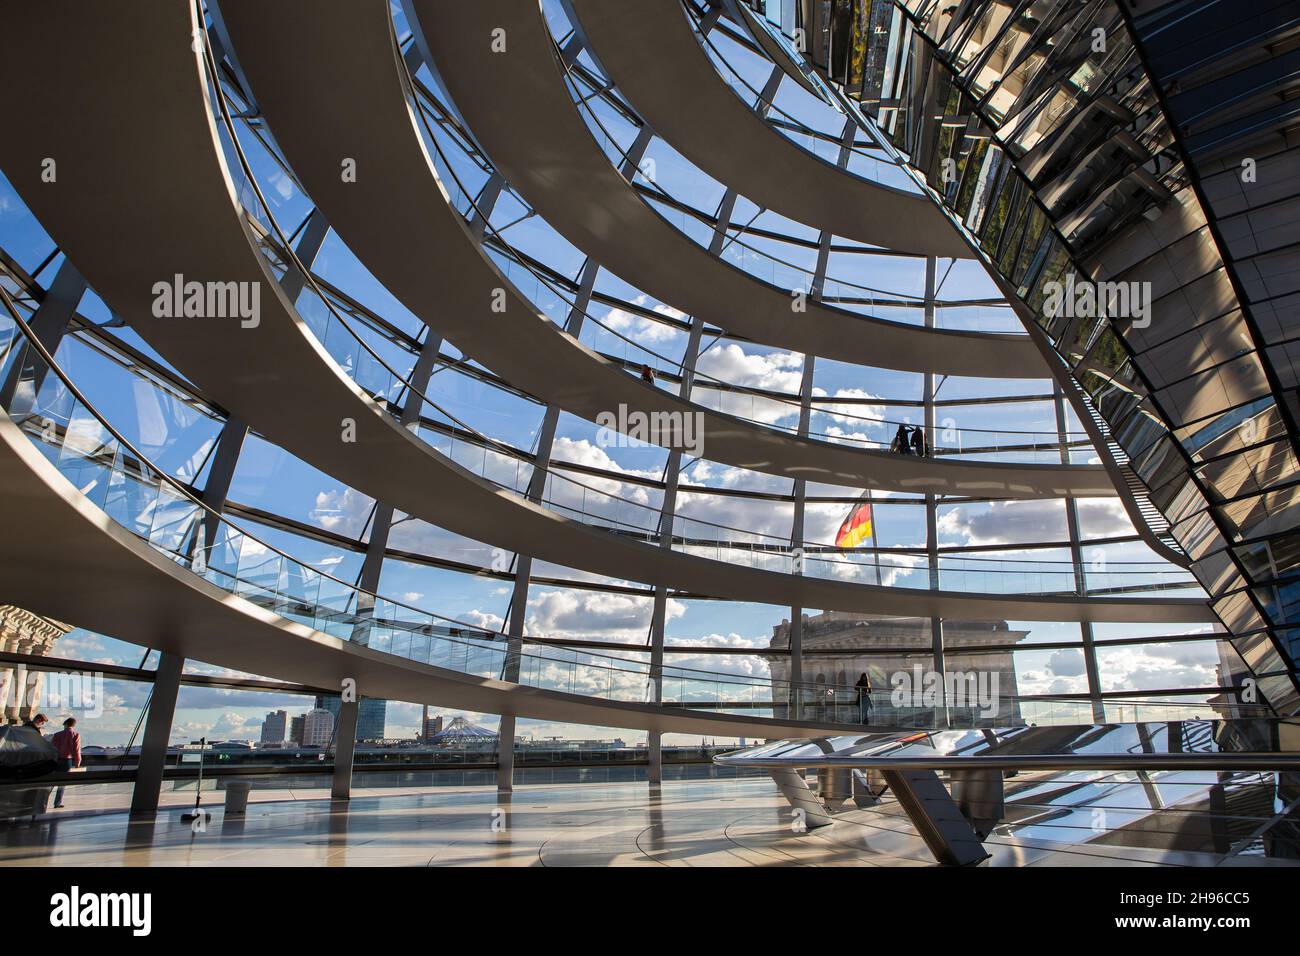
x,y
737,822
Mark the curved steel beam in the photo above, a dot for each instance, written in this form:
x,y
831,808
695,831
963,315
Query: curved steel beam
x,y
395,218
651,52
518,105
142,196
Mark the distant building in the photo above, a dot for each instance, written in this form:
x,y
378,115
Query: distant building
x,y
372,718
463,734
275,728
20,689
432,725
296,725
564,743
317,728
839,646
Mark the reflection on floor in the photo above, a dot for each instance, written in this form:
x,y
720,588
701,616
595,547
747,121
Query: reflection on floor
x,y
738,822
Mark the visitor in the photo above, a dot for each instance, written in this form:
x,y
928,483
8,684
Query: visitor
x,y
37,723
918,442
647,374
901,444
68,744
40,796
864,698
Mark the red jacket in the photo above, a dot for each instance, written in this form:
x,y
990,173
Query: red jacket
x,y
68,744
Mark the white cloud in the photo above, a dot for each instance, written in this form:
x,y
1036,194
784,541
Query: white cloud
x,y
343,512
614,617
1005,522
232,724
774,371
638,328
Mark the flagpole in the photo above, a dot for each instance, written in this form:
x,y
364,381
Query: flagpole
x,y
875,543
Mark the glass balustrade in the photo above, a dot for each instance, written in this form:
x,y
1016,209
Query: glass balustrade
x,y
556,302
502,465
110,473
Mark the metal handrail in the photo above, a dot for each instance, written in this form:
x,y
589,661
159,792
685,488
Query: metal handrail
x,y
1222,760
777,544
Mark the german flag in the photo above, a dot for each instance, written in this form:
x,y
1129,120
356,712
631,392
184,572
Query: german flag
x,y
856,527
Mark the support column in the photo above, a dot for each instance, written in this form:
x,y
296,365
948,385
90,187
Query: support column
x,y
215,490
710,18
667,517
764,105
345,747
795,691
537,484
49,324
506,754
234,432
1080,575
800,491
655,752
519,604
157,734
486,202
938,663
382,522
524,562
313,237
668,509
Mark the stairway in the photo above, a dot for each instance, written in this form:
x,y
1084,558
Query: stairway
x,y
1134,486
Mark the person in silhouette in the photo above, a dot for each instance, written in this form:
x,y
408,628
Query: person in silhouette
x,y
864,698
918,442
901,444
37,723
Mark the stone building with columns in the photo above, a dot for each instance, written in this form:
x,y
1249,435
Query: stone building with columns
x,y
22,632
838,647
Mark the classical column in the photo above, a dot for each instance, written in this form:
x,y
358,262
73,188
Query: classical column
x,y
22,632
17,711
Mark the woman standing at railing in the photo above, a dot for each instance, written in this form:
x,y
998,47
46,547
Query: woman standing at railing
x,y
864,698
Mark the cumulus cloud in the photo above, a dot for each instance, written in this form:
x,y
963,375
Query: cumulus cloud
x,y
1024,522
850,422
592,614
1006,522
774,371
713,475
343,511
87,646
1065,663
1159,666
484,619
232,724
638,328
602,500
